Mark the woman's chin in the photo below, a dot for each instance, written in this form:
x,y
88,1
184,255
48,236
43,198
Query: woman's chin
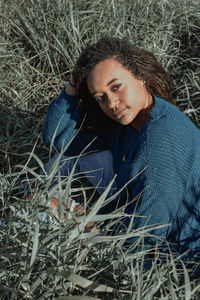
x,y
125,120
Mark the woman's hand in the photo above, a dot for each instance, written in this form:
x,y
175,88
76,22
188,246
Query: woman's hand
x,y
70,90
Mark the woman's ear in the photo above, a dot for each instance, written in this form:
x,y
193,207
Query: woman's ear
x,y
142,82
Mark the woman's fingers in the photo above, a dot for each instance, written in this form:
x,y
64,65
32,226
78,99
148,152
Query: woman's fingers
x,y
78,209
70,90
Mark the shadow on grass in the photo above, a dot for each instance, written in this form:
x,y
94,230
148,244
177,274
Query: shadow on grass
x,y
20,133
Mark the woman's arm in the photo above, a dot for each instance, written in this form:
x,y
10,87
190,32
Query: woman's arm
x,y
61,122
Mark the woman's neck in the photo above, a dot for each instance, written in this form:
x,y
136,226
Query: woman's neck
x,y
142,116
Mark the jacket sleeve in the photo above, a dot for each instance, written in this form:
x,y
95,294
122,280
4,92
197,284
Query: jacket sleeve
x,y
60,127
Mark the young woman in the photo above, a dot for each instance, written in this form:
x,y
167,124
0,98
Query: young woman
x,y
121,96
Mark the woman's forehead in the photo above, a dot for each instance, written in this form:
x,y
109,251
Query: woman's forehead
x,y
107,68
105,72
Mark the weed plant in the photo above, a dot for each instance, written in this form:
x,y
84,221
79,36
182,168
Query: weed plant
x,y
43,256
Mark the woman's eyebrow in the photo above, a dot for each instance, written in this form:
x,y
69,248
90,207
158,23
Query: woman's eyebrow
x,y
111,81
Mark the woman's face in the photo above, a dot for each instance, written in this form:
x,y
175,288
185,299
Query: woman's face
x,y
120,95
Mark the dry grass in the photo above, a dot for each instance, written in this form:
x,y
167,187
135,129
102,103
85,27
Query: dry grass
x,y
39,43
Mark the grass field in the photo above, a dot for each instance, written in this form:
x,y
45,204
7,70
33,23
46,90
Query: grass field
x,y
39,42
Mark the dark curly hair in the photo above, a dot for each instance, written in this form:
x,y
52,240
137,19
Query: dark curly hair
x,y
141,63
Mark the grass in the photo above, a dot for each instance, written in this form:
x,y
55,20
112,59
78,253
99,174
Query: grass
x,y
39,43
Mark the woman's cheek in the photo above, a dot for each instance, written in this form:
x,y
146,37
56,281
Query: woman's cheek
x,y
104,109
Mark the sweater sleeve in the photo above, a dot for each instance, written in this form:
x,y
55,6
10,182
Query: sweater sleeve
x,y
169,213
159,192
60,126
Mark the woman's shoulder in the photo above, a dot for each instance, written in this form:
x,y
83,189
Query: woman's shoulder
x,y
171,135
169,118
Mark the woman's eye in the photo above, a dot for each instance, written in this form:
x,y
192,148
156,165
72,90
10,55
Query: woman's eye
x,y
116,87
100,98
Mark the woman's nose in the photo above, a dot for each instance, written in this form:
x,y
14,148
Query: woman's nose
x,y
112,101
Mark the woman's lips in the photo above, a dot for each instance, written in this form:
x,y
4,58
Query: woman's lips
x,y
119,113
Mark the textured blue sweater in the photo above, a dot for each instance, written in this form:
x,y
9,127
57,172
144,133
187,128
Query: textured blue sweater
x,y
167,151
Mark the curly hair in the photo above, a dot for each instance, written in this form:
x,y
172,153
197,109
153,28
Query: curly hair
x,y
141,63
